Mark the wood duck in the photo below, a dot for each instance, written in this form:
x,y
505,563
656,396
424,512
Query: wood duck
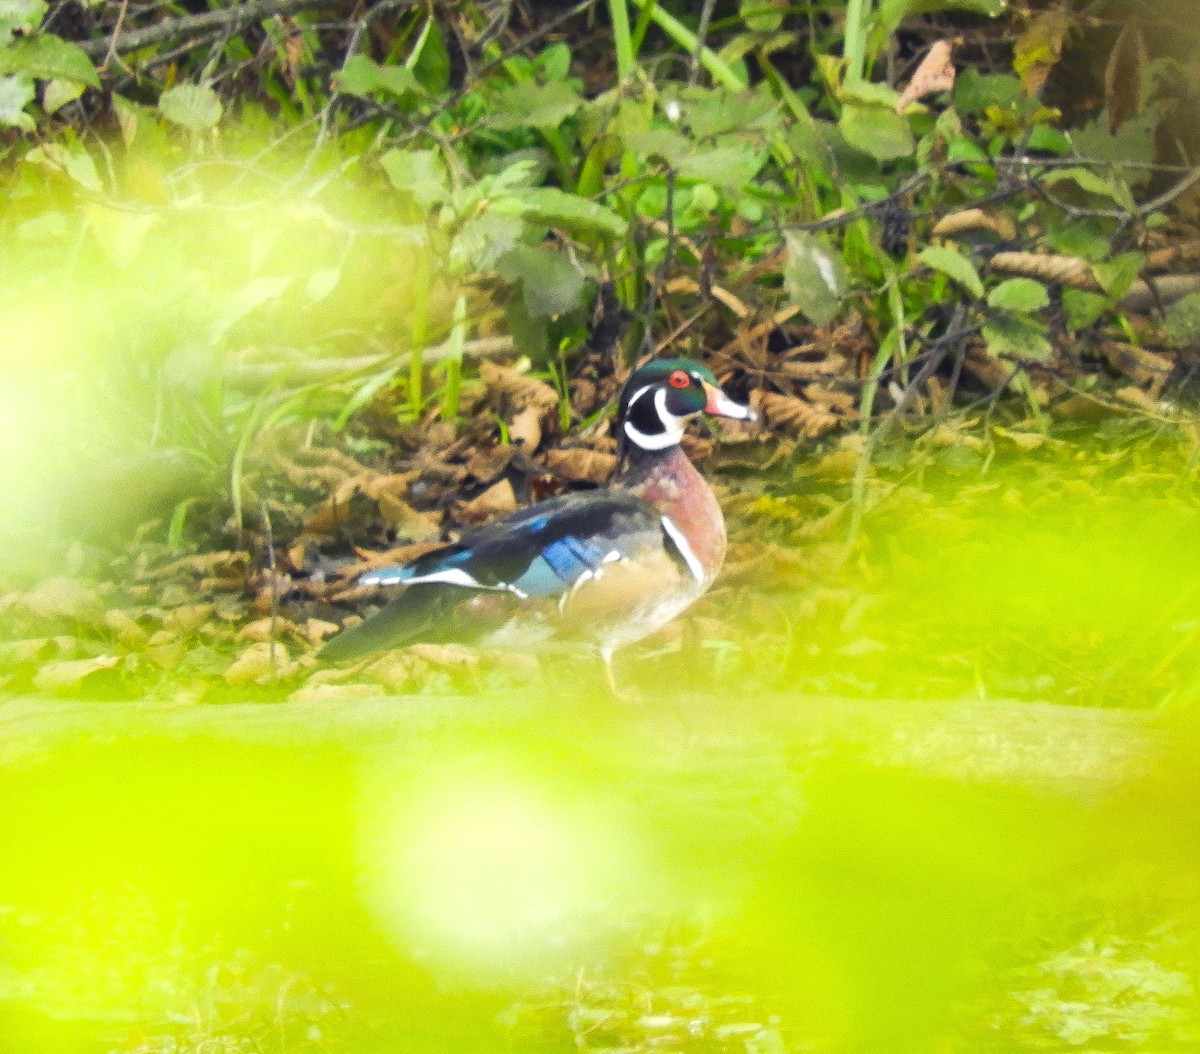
x,y
606,567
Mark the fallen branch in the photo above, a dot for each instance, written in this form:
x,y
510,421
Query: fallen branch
x,y
229,18
317,371
1143,295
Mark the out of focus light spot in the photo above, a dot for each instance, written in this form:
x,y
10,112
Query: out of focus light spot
x,y
485,870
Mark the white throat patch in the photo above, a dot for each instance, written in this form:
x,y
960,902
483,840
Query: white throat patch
x,y
672,426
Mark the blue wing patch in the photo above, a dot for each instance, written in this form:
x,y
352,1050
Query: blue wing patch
x,y
558,566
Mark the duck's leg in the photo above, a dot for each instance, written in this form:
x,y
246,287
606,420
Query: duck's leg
x,y
606,657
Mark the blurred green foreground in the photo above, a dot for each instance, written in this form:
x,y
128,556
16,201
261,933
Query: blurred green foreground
x,y
474,875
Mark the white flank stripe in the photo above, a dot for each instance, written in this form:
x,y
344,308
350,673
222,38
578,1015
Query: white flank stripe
x,y
378,579
681,543
456,576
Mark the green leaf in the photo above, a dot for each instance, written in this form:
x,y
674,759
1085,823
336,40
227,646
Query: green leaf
x,y
1019,294
1082,308
869,93
20,14
953,263
1079,237
58,93
707,112
1116,275
1021,335
418,173
665,143
1089,181
731,167
963,149
763,16
46,57
237,306
813,275
556,208
550,282
555,62
363,76
974,92
1182,321
483,239
877,131
322,282
192,106
1049,139
74,161
531,105
15,94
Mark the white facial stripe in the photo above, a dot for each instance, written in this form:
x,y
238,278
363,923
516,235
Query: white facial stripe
x,y
655,442
681,543
672,426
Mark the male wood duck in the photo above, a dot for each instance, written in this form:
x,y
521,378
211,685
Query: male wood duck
x,y
606,567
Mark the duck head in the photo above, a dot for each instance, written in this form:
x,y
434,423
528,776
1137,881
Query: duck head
x,y
661,397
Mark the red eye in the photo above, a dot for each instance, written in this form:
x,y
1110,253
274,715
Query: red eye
x,y
679,379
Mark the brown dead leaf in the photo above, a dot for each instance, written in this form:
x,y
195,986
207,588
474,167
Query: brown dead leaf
x,y
487,462
934,74
975,219
1038,49
581,465
446,656
334,693
395,670
1137,398
165,650
327,517
394,483
303,555
842,463
1079,407
843,402
215,565
127,631
789,414
61,675
1026,441
1143,367
498,500
271,587
316,630
260,663
266,629
62,598
833,366
1124,76
187,619
407,522
20,652
509,391
525,428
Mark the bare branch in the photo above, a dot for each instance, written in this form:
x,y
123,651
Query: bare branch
x,y
231,18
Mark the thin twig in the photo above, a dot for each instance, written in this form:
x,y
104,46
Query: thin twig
x,y
701,42
111,54
234,17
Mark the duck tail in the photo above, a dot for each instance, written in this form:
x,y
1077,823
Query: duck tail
x,y
410,616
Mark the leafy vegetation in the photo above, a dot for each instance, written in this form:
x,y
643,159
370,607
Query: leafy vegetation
x,y
259,254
